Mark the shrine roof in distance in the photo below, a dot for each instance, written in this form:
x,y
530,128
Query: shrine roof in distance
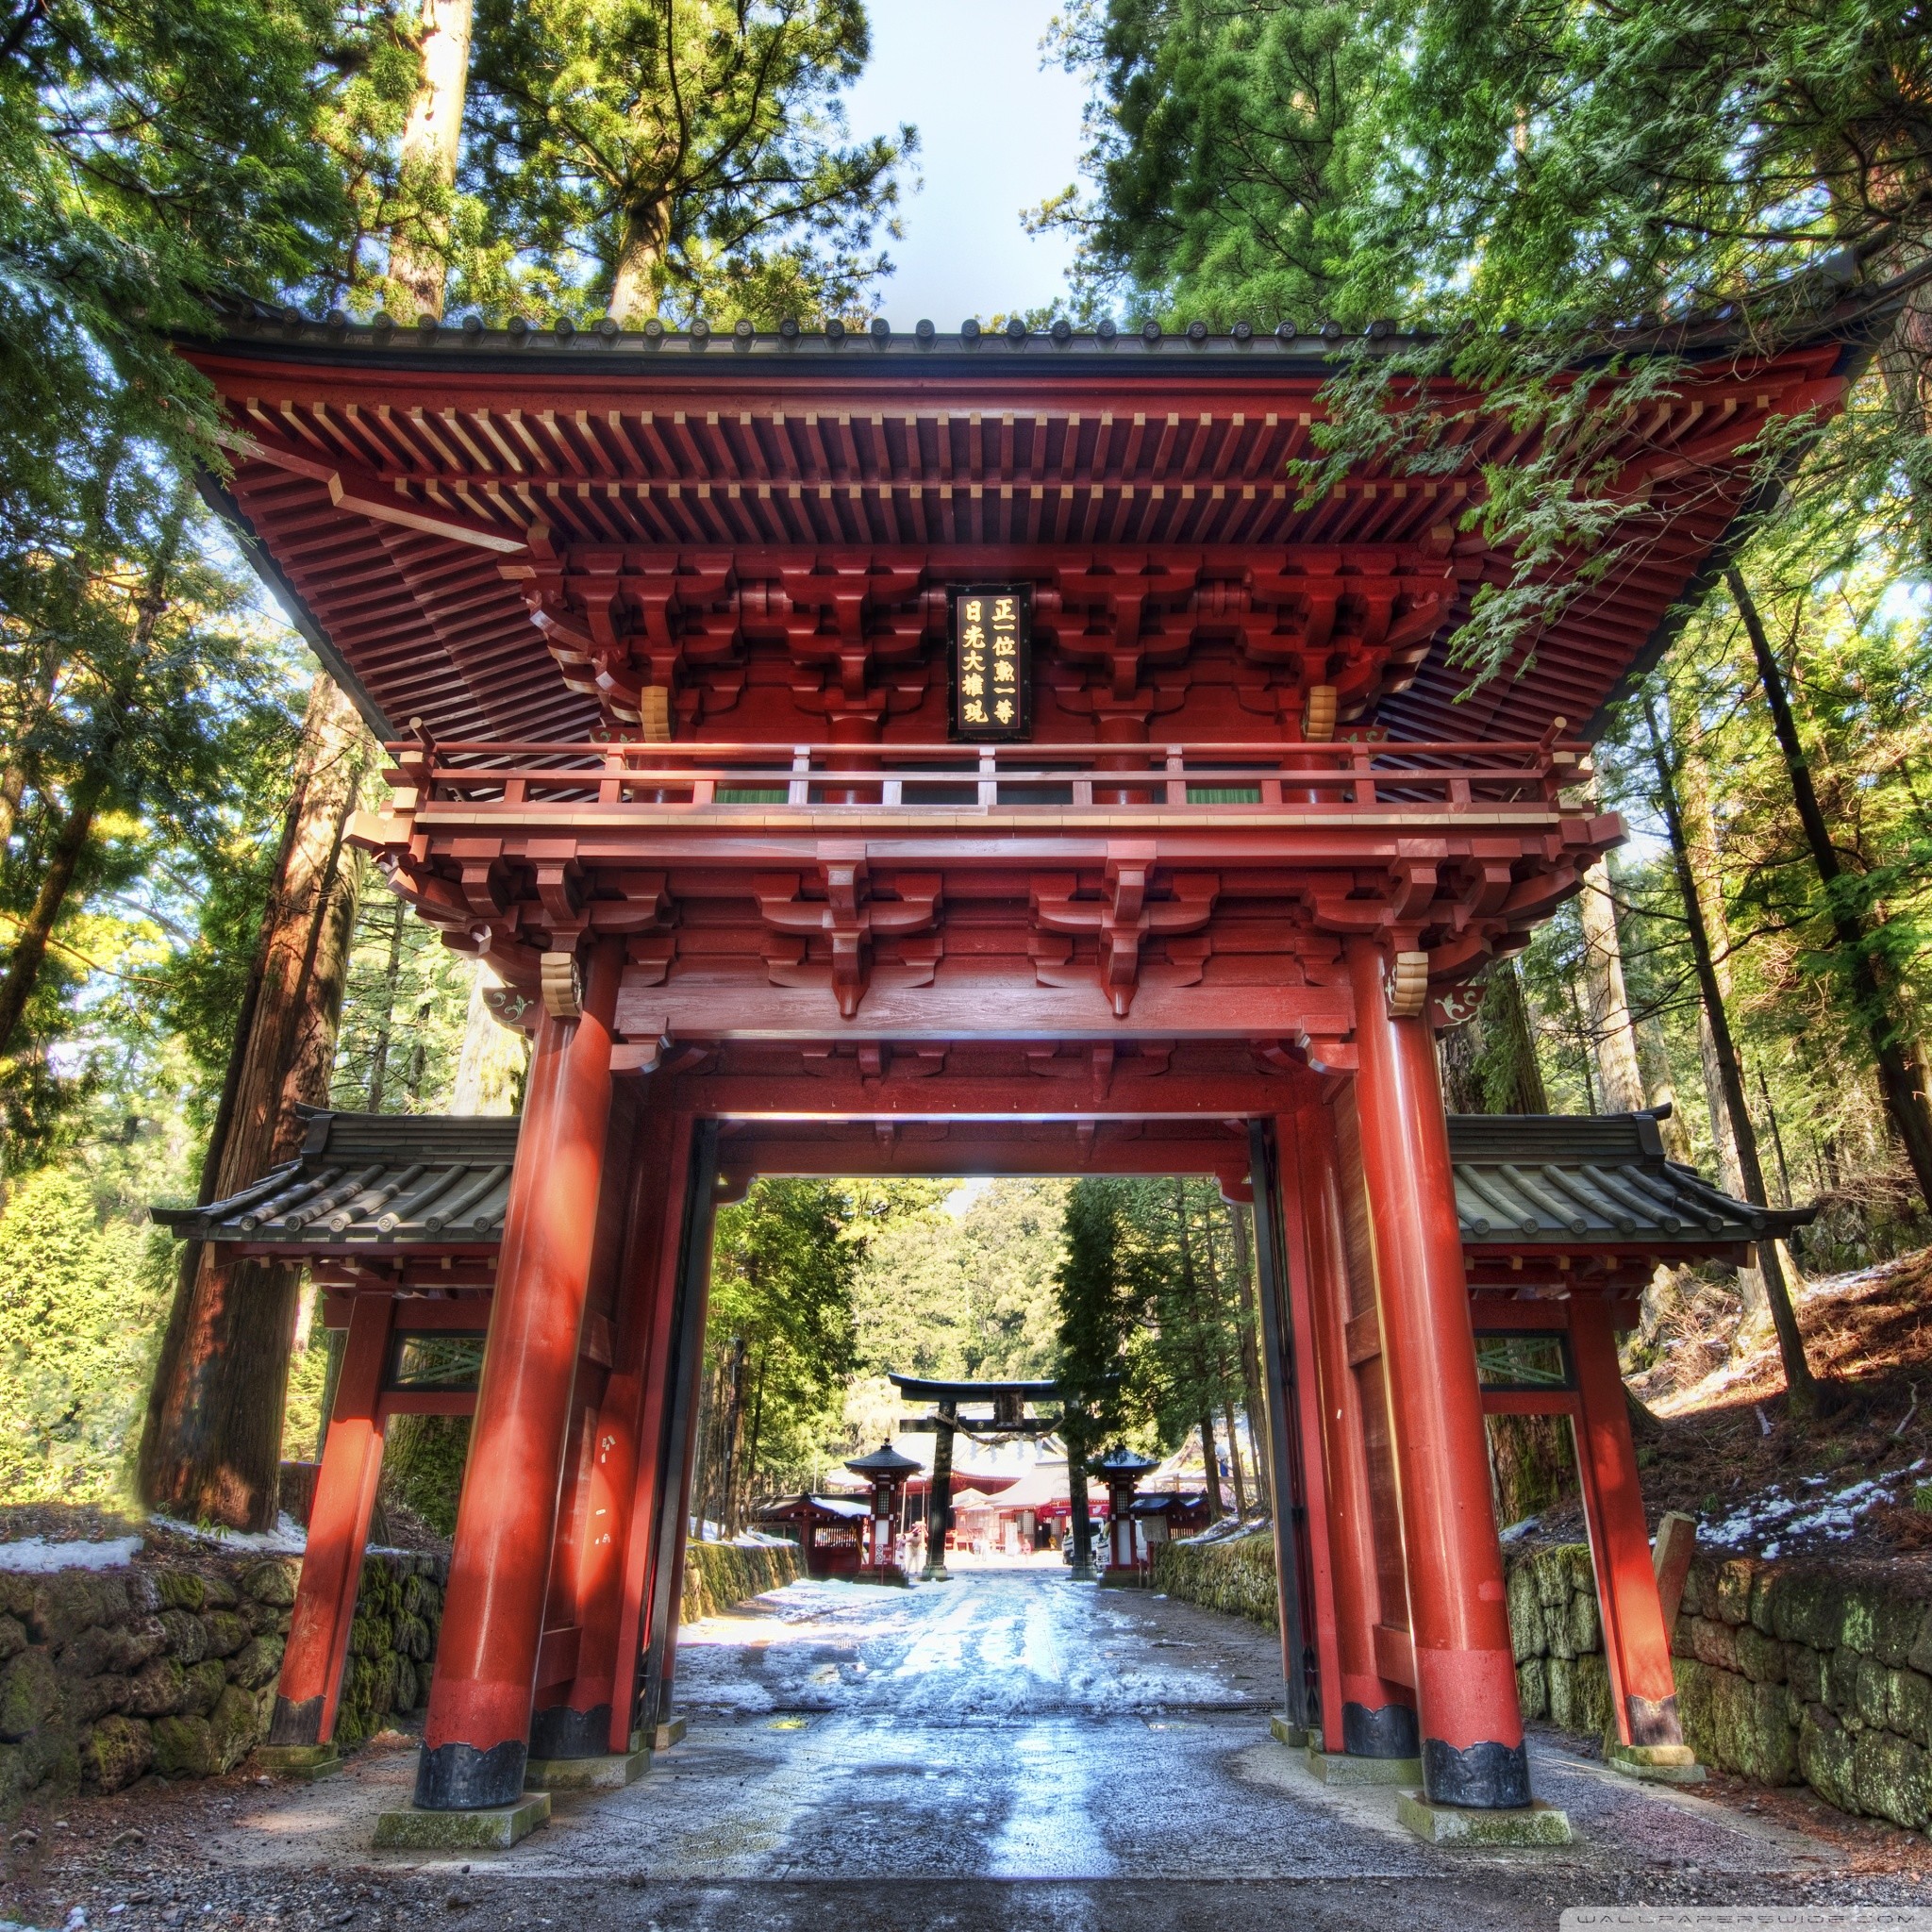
x,y
462,518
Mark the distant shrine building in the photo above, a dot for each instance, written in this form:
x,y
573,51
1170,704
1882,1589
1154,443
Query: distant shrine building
x,y
906,754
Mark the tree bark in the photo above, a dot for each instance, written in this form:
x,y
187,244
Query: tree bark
x,y
639,251
490,1072
1253,1387
1234,1463
1800,1384
1901,1079
1618,1076
393,973
212,1436
432,142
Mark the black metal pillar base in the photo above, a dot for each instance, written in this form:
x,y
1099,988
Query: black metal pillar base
x,y
459,1777
561,1732
1387,1732
1481,1777
296,1724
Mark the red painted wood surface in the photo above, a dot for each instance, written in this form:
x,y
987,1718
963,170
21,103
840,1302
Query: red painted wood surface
x,y
1458,1618
310,1690
506,1522
1637,1645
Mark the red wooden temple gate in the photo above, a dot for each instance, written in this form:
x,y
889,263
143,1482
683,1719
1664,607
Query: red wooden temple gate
x,y
668,622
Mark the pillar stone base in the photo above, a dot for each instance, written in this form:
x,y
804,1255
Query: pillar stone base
x,y
1343,1768
610,1773
1669,1764
299,1760
492,1830
1536,1823
935,1572
1283,1732
672,1731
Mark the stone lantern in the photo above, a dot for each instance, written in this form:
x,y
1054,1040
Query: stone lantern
x,y
887,1471
1120,1470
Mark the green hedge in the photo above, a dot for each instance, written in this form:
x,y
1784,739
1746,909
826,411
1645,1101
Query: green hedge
x,y
1235,1575
716,1575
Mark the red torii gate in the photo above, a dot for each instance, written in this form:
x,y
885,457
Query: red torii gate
x,y
671,613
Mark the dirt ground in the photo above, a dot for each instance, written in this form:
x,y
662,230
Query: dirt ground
x,y
1010,1749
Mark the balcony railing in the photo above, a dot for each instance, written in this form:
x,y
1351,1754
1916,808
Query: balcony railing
x,y
1341,779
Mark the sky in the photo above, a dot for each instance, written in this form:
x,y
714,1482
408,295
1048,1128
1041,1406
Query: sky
x,y
996,134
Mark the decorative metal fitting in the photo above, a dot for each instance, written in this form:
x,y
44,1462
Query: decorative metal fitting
x,y
562,986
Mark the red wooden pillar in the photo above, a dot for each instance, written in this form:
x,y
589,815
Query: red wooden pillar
x,y
1637,1646
592,1715
476,1734
1472,1727
311,1682
1376,1717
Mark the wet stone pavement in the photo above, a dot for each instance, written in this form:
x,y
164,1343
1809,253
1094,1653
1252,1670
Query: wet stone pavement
x,y
1009,1750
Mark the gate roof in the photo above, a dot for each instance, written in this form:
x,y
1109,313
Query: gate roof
x,y
404,486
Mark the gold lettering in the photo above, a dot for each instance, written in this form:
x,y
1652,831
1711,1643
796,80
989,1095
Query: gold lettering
x,y
1003,711
1003,610
974,711
1004,673
973,687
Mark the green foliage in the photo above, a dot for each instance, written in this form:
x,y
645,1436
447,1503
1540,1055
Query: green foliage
x,y
78,1301
686,160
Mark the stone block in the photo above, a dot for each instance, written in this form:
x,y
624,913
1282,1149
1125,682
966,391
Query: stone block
x,y
1294,1736
158,1689
272,1582
256,1662
1871,1698
1579,1571
1665,1764
1920,1656
181,1590
202,1683
1339,1768
1760,1657
370,1635
1714,1644
1804,1673
1808,1607
1755,1723
299,1760
1700,1585
1563,1679
232,1726
1825,1756
412,1638
1533,1688
1763,1589
421,1597
144,1593
226,1631
1731,1598
16,1594
1909,1707
29,1694
1453,1825
83,1699
1592,1711
462,1831
1857,1624
12,1638
1895,1627
115,1752
1552,1580
1585,1625
217,1592
1889,1778
405,1687
186,1634
609,1774
1840,1676
183,1747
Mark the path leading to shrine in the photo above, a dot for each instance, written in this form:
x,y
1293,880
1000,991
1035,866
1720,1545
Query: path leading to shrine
x,y
1010,1749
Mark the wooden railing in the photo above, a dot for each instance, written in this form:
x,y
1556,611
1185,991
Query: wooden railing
x,y
1342,777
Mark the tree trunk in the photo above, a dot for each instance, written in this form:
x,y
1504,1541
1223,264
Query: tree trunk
x,y
1901,1079
1490,1064
1253,1386
639,251
1234,1463
393,973
1799,1382
1211,1461
212,1436
432,140
1619,1077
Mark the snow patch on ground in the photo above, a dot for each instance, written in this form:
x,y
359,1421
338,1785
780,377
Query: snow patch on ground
x,y
36,1557
287,1539
1806,1509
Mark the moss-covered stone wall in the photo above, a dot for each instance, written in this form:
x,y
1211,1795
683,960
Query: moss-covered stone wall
x,y
716,1575
1786,1673
1235,1574
108,1675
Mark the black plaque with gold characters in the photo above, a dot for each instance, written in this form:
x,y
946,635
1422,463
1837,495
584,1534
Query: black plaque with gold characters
x,y
991,636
